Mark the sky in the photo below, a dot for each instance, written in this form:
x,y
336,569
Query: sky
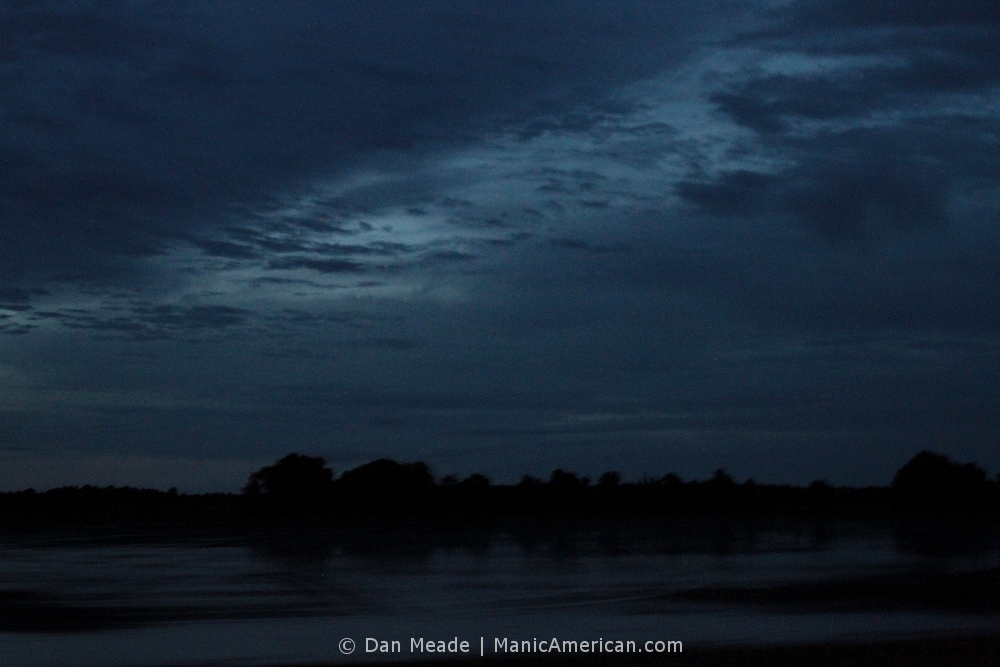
x,y
498,237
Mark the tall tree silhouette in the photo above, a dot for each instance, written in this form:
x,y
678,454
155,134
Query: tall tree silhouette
x,y
386,486
932,482
295,483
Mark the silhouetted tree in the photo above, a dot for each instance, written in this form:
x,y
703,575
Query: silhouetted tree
x,y
295,483
671,480
565,480
476,481
719,492
722,480
819,486
609,479
821,495
932,482
473,495
386,486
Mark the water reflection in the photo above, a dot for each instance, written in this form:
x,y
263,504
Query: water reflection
x,y
439,575
946,536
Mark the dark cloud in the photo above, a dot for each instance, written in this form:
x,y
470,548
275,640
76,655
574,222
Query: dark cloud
x,y
254,245
227,250
129,125
318,265
579,120
451,229
447,257
889,13
909,51
733,192
16,298
510,240
768,102
193,317
846,185
145,322
14,328
848,200
584,246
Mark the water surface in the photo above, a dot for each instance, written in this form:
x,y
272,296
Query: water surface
x,y
284,594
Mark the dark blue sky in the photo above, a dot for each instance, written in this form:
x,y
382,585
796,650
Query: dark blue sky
x,y
497,237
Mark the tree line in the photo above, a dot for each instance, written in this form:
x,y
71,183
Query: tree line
x,y
302,485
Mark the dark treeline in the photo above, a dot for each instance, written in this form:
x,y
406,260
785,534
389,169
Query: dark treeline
x,y
300,485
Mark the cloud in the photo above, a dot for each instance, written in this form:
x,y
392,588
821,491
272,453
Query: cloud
x,y
765,103
128,127
918,13
772,103
329,266
846,186
872,58
850,198
226,249
584,246
738,192
422,224
16,298
146,322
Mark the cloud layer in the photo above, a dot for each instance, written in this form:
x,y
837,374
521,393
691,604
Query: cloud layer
x,y
604,235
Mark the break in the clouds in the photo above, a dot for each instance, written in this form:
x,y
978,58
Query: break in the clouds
x,y
497,237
